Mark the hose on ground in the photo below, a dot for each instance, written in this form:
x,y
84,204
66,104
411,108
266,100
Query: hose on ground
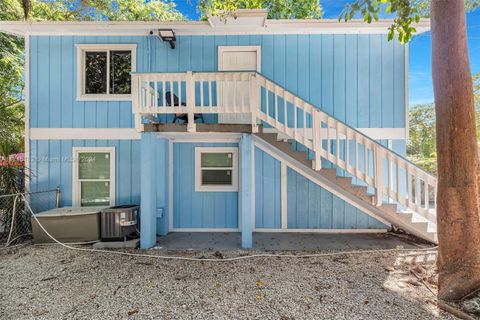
x,y
252,256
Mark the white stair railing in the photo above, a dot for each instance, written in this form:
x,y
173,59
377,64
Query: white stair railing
x,y
392,176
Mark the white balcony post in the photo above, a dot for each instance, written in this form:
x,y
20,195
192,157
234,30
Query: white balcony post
x,y
190,86
137,102
317,138
378,171
254,102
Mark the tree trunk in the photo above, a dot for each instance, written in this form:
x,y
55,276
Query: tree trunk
x,y
458,197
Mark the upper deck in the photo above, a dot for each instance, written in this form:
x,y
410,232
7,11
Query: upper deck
x,y
349,70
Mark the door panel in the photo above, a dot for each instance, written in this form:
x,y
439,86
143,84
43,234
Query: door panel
x,y
241,60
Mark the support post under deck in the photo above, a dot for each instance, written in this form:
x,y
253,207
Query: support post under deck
x,y
246,187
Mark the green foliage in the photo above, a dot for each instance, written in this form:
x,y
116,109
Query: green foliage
x,y
11,87
421,148
71,10
11,126
278,9
472,4
407,12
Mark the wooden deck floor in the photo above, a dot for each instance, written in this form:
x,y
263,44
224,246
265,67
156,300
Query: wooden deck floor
x,y
200,127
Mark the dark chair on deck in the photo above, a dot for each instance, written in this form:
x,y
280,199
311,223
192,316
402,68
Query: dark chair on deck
x,y
176,103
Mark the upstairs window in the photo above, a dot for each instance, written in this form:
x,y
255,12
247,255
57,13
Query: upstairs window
x,y
103,71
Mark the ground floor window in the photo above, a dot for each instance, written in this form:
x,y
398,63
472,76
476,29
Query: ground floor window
x,y
216,169
94,176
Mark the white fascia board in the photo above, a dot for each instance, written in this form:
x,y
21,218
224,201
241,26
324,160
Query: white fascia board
x,y
140,28
84,134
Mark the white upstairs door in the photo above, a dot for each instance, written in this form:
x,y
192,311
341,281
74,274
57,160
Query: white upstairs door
x,y
237,58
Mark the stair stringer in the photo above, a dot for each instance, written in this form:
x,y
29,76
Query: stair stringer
x,y
388,218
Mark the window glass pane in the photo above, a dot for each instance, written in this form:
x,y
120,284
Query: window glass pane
x,y
120,68
95,72
217,160
216,177
95,193
94,165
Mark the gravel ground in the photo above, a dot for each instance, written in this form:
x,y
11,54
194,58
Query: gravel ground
x,y
51,282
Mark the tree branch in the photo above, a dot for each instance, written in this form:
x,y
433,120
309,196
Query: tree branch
x,y
11,105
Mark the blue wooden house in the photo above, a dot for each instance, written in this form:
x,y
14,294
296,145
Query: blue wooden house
x,y
246,125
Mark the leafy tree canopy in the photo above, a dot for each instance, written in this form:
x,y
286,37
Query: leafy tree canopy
x,y
278,9
61,10
406,13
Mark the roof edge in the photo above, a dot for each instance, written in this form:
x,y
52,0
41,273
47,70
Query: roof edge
x,y
271,26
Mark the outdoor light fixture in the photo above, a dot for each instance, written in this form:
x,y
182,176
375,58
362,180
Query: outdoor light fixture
x,y
167,35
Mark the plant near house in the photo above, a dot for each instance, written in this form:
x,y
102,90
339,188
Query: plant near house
x,y
11,182
11,87
11,126
10,172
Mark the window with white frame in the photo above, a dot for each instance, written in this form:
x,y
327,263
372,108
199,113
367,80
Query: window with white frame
x,y
104,71
94,177
216,169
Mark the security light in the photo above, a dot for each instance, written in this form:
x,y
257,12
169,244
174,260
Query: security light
x,y
167,35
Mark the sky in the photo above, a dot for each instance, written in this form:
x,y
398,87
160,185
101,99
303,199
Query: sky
x,y
420,71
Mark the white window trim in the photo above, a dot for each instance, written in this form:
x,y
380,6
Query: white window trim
x,y
81,49
198,172
76,198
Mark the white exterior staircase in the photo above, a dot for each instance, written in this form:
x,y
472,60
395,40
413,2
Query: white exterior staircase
x,y
374,178
389,212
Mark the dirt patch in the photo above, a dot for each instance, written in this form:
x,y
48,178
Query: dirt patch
x,y
52,282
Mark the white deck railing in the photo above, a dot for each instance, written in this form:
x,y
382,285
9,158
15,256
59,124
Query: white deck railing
x,y
392,176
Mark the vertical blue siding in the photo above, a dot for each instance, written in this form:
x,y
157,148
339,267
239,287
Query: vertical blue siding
x,y
363,82
399,102
51,166
267,191
339,77
312,207
308,205
375,78
162,184
387,102
193,209
356,78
